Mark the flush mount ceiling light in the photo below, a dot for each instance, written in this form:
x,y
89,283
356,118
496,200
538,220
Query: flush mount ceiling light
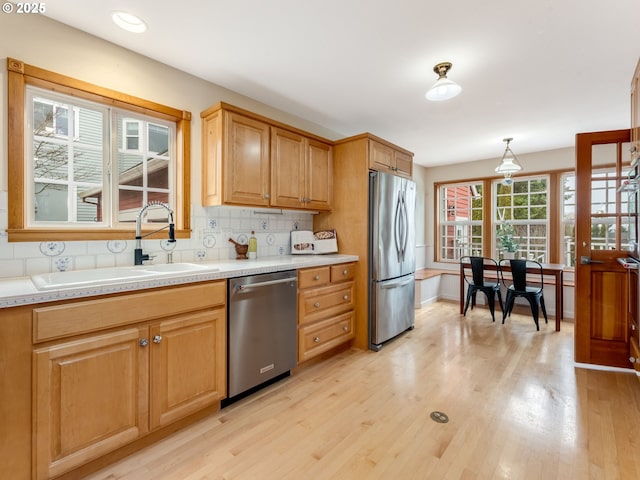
x,y
129,22
509,163
443,89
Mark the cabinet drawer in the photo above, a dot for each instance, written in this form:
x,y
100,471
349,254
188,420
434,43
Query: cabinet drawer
x,y
312,277
68,319
324,301
341,273
321,336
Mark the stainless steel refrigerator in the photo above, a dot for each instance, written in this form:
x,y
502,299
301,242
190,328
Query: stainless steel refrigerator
x,y
392,257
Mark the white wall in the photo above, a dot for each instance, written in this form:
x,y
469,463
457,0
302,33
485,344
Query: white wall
x,y
39,41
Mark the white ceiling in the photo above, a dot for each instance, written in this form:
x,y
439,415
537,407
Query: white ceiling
x,y
538,71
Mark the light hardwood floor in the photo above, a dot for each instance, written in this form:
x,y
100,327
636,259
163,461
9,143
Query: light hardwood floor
x,y
518,409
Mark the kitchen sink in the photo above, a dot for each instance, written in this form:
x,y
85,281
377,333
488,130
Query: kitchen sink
x,y
104,276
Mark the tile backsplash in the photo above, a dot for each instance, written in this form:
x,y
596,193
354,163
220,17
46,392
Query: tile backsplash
x,y
211,229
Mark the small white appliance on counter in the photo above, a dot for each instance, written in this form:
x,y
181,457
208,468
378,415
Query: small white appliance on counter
x,y
307,242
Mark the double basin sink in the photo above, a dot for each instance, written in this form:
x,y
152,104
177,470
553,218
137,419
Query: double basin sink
x,y
105,276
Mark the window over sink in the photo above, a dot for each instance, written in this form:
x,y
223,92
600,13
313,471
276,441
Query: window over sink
x,y
83,159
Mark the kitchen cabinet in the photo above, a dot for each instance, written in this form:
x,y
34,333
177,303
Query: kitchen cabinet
x,y
325,309
302,171
387,158
354,157
235,159
120,368
635,114
632,317
251,160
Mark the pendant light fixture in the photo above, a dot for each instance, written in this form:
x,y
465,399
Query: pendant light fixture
x,y
443,89
509,163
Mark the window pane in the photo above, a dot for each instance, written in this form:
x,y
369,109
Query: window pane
x,y
51,202
461,213
158,173
158,139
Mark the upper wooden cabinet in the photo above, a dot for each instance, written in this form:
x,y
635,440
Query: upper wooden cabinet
x,y
635,114
248,159
387,158
301,171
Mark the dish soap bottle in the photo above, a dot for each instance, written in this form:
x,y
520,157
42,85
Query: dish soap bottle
x,y
253,246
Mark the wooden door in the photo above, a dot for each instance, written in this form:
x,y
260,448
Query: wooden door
x,y
318,175
246,156
90,398
188,365
601,330
287,168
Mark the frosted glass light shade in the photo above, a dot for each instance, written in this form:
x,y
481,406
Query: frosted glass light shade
x,y
508,165
443,89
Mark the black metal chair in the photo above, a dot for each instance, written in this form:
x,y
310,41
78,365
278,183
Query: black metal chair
x,y
474,275
518,285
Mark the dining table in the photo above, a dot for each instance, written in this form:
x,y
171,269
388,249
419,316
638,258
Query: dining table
x,y
555,270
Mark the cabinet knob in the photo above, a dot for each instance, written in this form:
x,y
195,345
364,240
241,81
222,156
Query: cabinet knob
x,y
316,340
345,328
143,342
317,304
346,297
317,277
266,195
157,339
632,359
633,327
345,271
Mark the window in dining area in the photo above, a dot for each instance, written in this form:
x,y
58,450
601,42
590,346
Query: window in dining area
x,y
461,220
524,204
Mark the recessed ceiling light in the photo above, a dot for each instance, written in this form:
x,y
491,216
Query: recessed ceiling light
x,y
129,22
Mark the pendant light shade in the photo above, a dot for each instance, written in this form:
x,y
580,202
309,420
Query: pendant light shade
x,y
509,163
443,89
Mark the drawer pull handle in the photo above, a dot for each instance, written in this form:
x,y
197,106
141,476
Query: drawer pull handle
x,y
317,304
317,277
157,339
345,271
316,340
143,342
346,297
632,359
345,328
633,327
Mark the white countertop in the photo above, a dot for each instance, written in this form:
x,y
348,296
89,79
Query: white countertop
x,y
22,291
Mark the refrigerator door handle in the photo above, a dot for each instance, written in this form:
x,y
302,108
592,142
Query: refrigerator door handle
x,y
396,228
405,225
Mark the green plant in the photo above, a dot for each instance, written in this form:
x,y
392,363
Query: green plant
x,y
505,236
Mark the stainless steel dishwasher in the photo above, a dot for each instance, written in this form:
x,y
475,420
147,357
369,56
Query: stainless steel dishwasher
x,y
262,331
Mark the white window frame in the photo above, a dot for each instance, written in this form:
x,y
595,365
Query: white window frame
x,y
458,224
497,217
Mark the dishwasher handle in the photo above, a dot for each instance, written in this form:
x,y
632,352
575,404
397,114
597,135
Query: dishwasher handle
x,y
243,288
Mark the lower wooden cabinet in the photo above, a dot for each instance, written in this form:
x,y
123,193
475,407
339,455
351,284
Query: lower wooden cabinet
x,y
91,397
100,392
325,309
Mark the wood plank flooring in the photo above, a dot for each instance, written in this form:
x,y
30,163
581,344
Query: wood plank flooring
x,y
518,409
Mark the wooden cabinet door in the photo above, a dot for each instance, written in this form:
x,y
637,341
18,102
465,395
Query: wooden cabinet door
x,y
319,176
403,164
188,365
90,398
287,169
246,167
380,156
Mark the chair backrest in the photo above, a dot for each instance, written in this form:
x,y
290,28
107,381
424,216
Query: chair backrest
x,y
477,265
521,271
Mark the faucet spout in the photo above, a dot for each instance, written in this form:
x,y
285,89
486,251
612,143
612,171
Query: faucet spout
x,y
139,256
